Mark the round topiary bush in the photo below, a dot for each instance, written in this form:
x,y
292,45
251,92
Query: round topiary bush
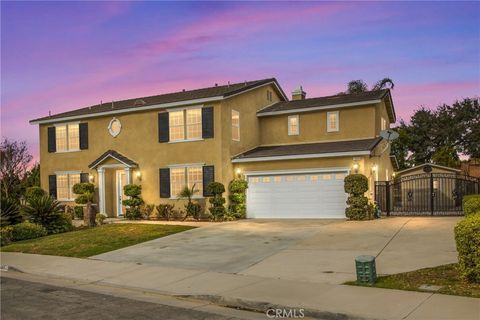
x,y
356,184
237,197
134,202
132,190
34,192
217,201
471,205
467,238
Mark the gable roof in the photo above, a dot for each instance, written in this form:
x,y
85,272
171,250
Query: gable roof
x,y
309,150
115,155
161,101
340,100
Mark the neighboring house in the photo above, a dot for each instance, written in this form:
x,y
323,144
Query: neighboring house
x,y
294,154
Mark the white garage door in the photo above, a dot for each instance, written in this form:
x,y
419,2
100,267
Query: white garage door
x,y
301,195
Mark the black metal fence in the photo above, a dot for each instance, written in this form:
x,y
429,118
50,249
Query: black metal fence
x,y
425,194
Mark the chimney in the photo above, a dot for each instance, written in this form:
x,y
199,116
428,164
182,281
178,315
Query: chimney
x,y
298,94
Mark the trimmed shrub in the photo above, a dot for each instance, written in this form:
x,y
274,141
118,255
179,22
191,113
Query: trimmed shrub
x,y
27,230
164,211
9,212
217,201
99,218
5,235
78,212
467,238
237,189
85,191
192,209
147,210
34,192
134,202
47,212
471,205
358,207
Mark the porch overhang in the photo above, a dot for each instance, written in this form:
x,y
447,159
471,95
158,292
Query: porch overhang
x,y
112,154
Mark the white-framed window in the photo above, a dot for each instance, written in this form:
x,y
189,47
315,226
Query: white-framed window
x,y
383,124
235,125
333,121
186,176
65,183
293,125
67,137
185,124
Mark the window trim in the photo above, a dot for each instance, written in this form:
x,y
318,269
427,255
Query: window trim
x,y
185,126
337,122
67,173
66,124
231,119
383,123
185,168
290,133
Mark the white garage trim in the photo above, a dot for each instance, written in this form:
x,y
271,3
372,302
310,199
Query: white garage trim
x,y
304,156
294,171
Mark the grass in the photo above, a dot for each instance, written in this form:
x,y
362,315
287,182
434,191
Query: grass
x,y
445,276
92,241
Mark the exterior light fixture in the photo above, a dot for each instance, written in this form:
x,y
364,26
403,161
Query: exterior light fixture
x,y
91,178
355,167
238,172
374,168
138,174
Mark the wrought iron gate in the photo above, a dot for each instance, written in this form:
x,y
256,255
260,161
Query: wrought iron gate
x,y
425,194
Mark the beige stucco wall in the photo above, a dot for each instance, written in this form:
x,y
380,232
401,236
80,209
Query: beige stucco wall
x,y
354,123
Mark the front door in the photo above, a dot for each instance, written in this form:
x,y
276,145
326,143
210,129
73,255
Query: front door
x,y
121,179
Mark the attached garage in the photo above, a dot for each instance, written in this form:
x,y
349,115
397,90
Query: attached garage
x,y
307,194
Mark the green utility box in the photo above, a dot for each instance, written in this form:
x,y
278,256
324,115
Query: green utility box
x,y
366,270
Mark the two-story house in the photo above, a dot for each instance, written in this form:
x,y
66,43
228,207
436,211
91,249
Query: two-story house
x,y
294,154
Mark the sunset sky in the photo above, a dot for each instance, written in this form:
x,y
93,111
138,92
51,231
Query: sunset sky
x,y
59,56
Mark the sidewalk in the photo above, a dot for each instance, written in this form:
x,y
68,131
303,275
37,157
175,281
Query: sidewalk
x,y
325,300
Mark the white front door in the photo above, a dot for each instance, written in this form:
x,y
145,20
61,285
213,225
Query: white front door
x,y
301,195
121,179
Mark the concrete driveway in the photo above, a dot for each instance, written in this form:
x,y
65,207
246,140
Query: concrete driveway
x,y
320,251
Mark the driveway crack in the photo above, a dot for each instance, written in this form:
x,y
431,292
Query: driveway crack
x,y
393,237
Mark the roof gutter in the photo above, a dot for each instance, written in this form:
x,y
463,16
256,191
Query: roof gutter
x,y
127,110
303,156
331,106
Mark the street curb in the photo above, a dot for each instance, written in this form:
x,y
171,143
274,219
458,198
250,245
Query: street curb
x,y
262,307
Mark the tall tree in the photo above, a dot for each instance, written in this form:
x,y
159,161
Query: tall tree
x,y
400,146
14,161
446,156
358,86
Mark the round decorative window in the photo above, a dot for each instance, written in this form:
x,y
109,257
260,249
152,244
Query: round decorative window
x,y
114,127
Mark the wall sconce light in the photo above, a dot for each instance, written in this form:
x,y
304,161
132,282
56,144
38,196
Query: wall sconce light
x,y
138,174
374,168
238,172
355,167
91,178
394,175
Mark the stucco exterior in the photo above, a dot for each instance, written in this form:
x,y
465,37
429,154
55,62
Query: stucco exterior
x,y
139,141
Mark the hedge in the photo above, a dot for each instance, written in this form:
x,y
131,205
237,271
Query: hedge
x,y
471,204
467,238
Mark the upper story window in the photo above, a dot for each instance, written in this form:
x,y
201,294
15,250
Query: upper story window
x,y
185,124
333,121
293,125
67,137
186,176
65,183
269,95
235,125
384,124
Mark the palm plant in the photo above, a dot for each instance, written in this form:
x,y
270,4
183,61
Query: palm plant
x,y
358,86
9,212
192,208
48,212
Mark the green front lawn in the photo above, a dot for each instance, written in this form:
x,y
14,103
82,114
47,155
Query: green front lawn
x,y
446,276
92,241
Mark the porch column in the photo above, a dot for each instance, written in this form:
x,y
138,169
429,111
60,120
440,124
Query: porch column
x,y
128,175
101,190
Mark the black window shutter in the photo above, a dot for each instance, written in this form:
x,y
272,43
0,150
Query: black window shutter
x,y
52,185
52,142
163,127
165,183
83,128
208,176
207,122
84,177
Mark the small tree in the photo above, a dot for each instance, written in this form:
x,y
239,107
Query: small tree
x,y
14,162
217,200
192,208
237,197
85,191
134,202
358,208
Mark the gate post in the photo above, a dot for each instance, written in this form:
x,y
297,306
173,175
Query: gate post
x,y
431,194
387,197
